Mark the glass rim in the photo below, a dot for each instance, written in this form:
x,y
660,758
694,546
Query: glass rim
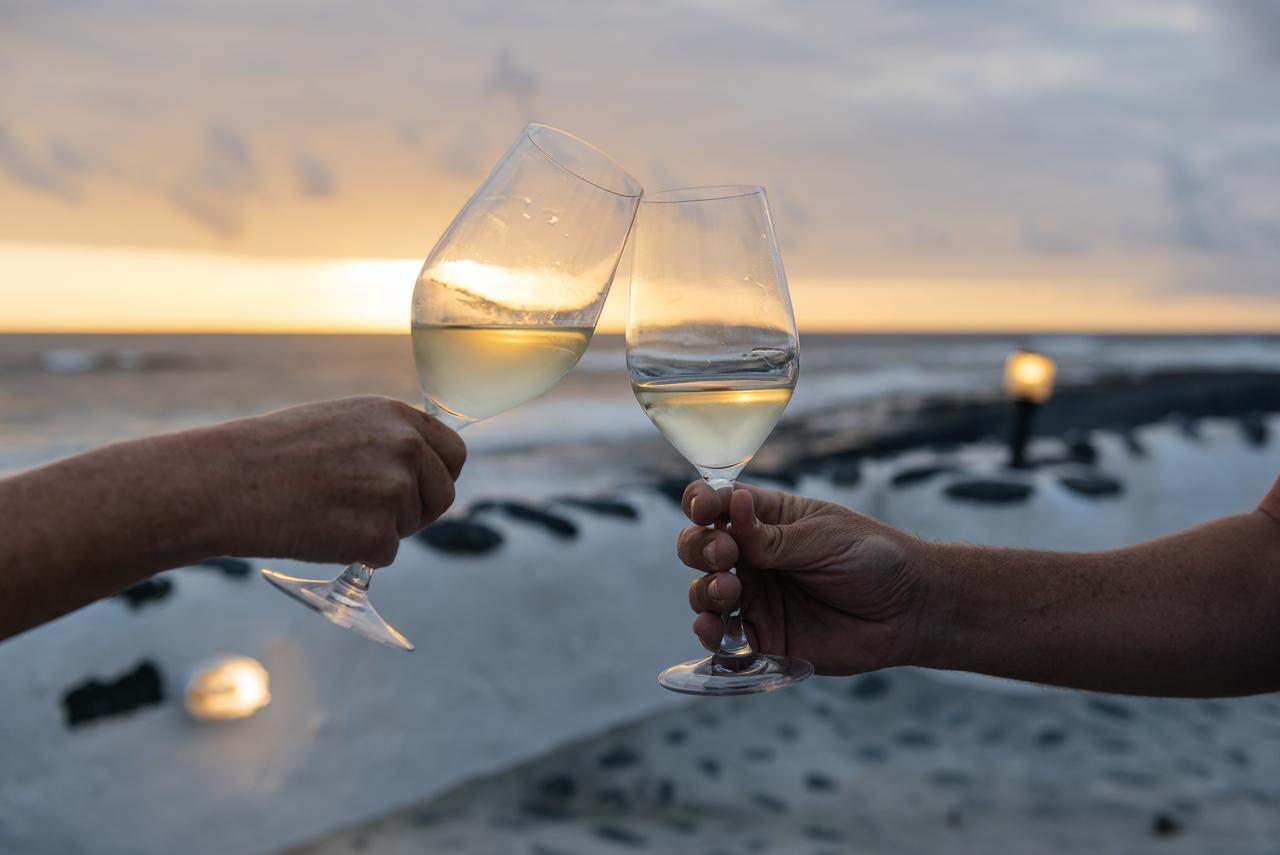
x,y
712,193
630,183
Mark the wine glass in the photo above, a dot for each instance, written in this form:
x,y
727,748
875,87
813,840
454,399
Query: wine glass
x,y
713,355
505,305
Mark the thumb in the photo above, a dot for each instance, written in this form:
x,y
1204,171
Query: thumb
x,y
759,544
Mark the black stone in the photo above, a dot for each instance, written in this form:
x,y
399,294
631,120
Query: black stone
x,y
955,819
787,478
1239,757
619,757
555,525
603,507
622,836
769,803
920,474
1165,826
151,590
680,824
844,472
987,491
710,766
546,812
1092,486
1188,426
1080,448
914,739
819,782
675,736
461,537
666,793
1254,428
94,699
672,488
558,788
1133,444
612,798
869,687
1051,737
1111,709
873,753
788,732
232,568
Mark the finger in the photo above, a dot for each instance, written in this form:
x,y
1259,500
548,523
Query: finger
x,y
773,506
435,489
701,503
444,440
759,544
715,592
706,549
709,628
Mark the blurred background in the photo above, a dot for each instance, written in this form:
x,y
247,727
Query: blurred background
x,y
211,210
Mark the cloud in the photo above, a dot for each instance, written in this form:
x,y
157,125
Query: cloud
x,y
214,190
1258,23
55,175
509,80
314,176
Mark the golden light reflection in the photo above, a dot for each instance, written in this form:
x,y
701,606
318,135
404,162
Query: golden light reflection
x,y
231,688
1028,376
520,289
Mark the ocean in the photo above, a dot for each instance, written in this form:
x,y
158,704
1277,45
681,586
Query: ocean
x,y
64,393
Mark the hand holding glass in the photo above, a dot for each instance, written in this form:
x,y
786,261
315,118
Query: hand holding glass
x,y
713,356
504,307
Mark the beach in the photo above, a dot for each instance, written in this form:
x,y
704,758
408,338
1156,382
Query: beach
x,y
529,719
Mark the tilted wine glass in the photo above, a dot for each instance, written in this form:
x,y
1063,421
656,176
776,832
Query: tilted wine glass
x,y
713,355
505,305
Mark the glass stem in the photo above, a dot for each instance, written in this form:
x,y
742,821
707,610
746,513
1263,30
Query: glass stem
x,y
357,576
735,650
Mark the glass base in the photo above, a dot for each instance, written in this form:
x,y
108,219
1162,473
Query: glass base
x,y
343,604
755,673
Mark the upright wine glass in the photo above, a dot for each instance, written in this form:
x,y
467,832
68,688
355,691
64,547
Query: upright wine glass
x,y
713,355
503,308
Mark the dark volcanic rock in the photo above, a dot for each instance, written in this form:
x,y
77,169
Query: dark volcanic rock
x,y
94,699
461,537
233,568
673,488
920,474
988,491
619,757
869,687
844,472
604,507
1165,826
618,834
1092,486
145,592
1254,428
1080,448
558,526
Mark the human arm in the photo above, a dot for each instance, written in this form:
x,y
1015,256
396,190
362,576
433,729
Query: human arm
x,y
337,481
1190,614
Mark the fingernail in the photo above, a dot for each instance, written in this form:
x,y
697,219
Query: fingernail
x,y
709,553
693,504
714,589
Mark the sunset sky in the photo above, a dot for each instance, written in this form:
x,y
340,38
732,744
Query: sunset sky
x,y
991,165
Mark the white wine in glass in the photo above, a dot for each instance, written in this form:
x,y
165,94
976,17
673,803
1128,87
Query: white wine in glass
x,y
504,307
713,355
